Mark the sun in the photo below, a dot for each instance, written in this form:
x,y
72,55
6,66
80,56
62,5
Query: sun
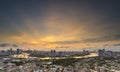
x,y
49,39
34,42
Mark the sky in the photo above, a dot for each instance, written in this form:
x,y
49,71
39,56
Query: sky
x,y
60,24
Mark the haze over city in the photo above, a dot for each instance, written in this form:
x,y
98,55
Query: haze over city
x,y
69,25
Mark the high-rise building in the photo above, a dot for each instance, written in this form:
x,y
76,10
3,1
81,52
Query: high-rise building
x,y
101,53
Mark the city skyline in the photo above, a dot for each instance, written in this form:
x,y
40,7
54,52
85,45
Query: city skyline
x,y
60,24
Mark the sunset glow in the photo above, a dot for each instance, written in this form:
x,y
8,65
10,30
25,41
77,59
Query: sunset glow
x,y
59,24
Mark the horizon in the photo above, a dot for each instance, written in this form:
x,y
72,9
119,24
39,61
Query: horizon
x,y
64,25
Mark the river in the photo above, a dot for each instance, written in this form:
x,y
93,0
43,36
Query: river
x,y
26,55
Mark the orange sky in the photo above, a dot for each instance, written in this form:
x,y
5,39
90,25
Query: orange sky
x,y
61,25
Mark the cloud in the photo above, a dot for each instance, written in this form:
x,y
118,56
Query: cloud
x,y
8,45
4,44
14,45
68,22
63,47
103,39
88,40
117,44
64,42
27,43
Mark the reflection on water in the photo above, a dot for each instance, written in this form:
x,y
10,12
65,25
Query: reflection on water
x,y
26,55
23,55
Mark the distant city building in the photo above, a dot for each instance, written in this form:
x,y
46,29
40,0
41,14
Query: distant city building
x,y
107,54
101,53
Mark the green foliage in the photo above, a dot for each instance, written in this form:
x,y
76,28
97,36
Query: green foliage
x,y
65,62
19,63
